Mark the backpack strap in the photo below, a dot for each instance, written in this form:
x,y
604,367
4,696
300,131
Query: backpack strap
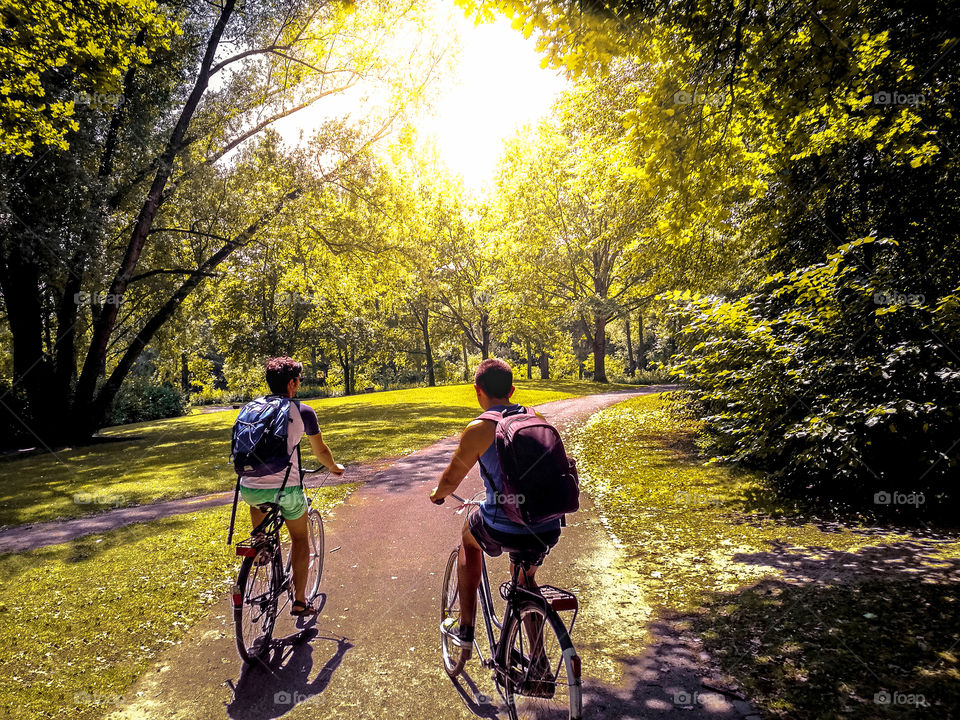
x,y
494,415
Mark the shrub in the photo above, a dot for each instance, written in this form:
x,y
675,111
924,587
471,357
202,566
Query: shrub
x,y
142,400
837,378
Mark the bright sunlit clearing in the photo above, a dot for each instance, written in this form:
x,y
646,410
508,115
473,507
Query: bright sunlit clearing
x,y
496,87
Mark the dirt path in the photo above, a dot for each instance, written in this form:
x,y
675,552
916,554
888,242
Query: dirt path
x,y
374,649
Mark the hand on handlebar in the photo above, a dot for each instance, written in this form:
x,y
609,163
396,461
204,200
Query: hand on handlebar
x,y
337,469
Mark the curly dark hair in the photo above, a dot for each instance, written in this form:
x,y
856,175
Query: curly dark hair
x,y
280,371
494,377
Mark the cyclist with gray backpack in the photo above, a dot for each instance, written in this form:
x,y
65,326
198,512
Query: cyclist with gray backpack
x,y
530,485
266,455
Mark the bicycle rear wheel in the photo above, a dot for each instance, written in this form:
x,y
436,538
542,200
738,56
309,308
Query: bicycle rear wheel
x,y
453,657
255,606
542,669
315,566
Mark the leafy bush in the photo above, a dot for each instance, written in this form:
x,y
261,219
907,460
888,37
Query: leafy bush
x,y
142,400
839,378
653,376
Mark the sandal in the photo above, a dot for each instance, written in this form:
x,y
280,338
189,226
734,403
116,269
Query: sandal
x,y
305,609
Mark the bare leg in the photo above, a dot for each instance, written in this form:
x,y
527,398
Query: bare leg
x,y
256,516
531,625
468,577
299,554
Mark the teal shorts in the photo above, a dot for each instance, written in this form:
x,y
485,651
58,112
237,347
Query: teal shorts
x,y
293,503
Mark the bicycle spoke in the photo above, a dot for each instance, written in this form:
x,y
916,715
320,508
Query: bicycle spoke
x,y
536,680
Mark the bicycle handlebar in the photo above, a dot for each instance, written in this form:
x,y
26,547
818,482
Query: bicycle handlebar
x,y
460,500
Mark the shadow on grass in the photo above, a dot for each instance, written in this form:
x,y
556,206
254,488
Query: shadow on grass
x,y
862,635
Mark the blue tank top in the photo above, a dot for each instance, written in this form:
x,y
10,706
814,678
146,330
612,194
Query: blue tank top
x,y
491,511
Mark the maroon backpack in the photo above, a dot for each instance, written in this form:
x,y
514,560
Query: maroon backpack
x,y
540,481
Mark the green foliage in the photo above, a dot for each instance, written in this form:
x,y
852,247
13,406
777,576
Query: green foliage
x,y
835,377
139,400
86,618
55,57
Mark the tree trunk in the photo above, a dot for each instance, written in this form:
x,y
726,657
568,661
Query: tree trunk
x,y
631,365
428,351
599,350
529,360
545,366
31,368
353,371
484,337
641,343
466,367
184,373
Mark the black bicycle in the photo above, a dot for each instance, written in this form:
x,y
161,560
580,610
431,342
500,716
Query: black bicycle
x,y
535,666
264,578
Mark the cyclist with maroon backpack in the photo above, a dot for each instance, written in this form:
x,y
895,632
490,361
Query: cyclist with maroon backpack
x,y
530,485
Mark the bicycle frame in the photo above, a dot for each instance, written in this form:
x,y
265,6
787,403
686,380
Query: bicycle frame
x,y
489,613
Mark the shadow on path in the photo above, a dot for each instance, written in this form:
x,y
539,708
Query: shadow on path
x,y
862,635
272,687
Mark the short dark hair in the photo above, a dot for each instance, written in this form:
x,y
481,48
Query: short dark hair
x,y
280,371
494,377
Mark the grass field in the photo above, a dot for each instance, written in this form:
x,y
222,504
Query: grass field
x,y
180,457
82,620
811,619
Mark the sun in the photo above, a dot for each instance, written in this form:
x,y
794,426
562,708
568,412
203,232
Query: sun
x,y
497,86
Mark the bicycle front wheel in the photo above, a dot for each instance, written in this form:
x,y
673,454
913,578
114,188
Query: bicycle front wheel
x,y
315,568
541,674
453,656
315,562
255,606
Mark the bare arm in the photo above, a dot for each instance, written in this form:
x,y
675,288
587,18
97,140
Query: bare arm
x,y
473,443
323,454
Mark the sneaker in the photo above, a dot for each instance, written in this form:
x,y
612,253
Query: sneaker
x,y
459,635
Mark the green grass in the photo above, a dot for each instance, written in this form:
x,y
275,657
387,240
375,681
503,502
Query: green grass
x,y
180,457
82,620
812,619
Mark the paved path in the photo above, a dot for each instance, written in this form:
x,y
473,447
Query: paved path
x,y
374,649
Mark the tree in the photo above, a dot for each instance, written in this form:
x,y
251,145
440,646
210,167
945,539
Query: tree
x,y
587,227
234,73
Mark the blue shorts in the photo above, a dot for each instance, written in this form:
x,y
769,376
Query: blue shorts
x,y
523,547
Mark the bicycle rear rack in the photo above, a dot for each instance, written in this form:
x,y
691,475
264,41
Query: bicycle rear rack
x,y
560,600
252,545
